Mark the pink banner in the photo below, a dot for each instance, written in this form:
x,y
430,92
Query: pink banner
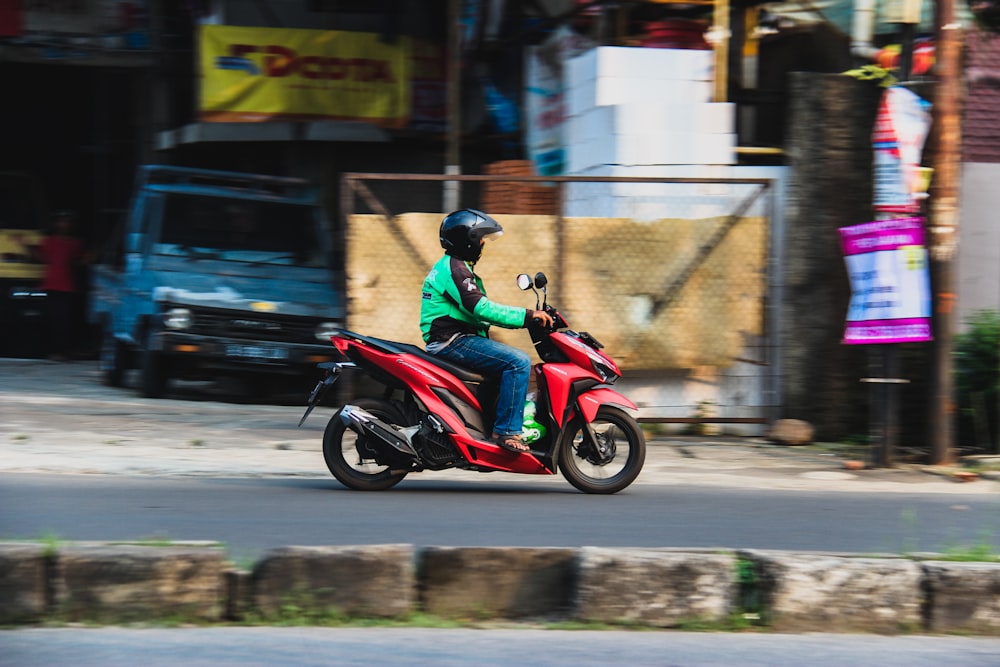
x,y
890,285
913,330
882,235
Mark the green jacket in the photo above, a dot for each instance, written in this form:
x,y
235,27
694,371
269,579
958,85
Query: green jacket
x,y
454,301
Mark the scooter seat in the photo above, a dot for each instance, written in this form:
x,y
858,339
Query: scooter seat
x,y
461,372
394,347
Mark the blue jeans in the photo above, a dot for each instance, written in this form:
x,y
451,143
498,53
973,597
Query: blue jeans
x,y
493,358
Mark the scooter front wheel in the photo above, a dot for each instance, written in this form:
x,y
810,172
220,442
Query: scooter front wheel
x,y
616,460
347,455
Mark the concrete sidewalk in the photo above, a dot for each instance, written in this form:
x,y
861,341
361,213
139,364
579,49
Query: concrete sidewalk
x,y
59,418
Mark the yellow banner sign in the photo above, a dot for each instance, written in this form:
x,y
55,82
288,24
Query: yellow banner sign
x,y
262,74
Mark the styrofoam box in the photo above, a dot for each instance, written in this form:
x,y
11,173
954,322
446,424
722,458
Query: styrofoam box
x,y
694,199
715,149
717,187
661,171
640,191
664,148
647,119
579,157
577,129
638,62
695,193
607,92
627,207
605,207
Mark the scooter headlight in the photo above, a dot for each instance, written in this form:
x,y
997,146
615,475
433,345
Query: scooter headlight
x,y
606,373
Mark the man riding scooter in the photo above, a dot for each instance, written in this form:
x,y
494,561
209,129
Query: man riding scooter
x,y
456,315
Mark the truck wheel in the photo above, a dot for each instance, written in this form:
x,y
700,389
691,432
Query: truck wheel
x,y
154,373
113,354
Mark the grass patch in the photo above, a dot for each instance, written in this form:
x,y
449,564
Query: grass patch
x,y
292,615
737,622
982,465
157,541
243,562
51,543
855,449
574,624
982,551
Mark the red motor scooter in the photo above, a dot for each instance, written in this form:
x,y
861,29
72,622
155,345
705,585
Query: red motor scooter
x,y
435,415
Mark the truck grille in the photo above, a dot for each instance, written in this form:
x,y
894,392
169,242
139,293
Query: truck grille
x,y
255,326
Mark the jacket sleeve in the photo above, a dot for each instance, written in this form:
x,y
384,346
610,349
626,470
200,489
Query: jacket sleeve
x,y
510,317
476,302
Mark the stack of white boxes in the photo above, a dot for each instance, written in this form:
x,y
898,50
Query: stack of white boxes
x,y
643,112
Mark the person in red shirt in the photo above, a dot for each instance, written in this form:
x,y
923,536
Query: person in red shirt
x,y
63,254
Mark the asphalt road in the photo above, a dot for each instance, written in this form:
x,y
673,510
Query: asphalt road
x,y
390,647
251,515
80,461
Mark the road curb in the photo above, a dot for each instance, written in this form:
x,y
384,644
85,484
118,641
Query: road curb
x,y
667,588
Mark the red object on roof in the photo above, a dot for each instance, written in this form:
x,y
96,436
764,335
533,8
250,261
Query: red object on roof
x,y
676,34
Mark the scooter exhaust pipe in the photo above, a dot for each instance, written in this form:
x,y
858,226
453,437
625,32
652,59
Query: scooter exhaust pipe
x,y
366,424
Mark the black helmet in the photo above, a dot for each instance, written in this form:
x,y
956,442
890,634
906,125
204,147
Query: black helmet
x,y
462,231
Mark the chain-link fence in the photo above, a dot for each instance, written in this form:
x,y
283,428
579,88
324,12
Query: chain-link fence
x,y
675,276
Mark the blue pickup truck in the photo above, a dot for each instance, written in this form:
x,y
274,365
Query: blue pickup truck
x,y
217,273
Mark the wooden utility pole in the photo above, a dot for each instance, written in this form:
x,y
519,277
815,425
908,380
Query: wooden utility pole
x,y
943,228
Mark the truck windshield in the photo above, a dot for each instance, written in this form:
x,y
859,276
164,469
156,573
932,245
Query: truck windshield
x,y
240,229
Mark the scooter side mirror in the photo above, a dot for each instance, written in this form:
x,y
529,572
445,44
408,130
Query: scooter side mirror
x,y
524,281
540,280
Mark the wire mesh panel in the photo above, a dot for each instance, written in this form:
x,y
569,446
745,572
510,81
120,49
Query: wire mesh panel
x,y
672,275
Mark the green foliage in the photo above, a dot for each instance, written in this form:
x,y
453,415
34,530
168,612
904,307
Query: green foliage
x,y
977,359
873,73
311,615
52,543
977,553
752,606
982,551
739,622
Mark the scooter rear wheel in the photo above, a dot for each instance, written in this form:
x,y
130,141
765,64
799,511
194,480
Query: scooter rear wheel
x,y
345,451
618,459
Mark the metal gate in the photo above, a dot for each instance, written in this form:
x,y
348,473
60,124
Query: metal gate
x,y
678,277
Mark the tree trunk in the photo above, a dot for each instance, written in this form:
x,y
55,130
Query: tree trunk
x,y
829,147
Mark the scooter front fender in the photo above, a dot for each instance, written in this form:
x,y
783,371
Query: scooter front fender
x,y
591,401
